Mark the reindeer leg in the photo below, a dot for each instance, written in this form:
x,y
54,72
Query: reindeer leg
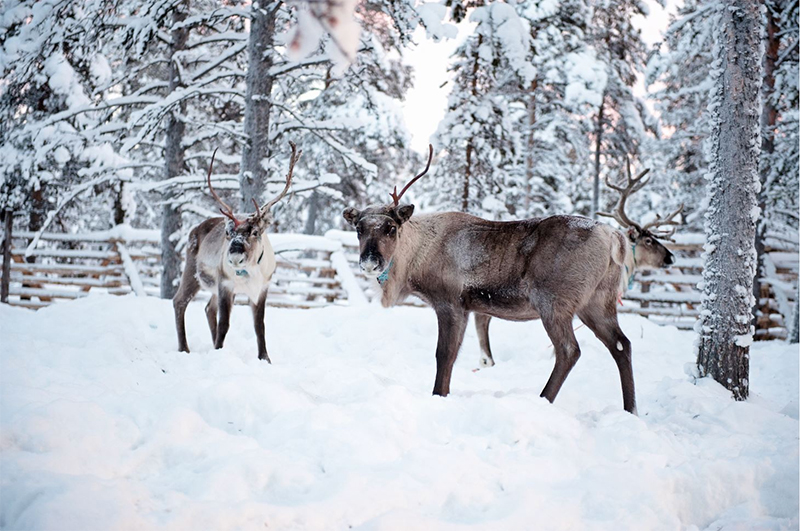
x,y
452,325
482,327
559,329
601,318
225,307
211,316
186,292
258,321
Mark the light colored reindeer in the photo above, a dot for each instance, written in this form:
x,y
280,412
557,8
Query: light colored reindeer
x,y
227,257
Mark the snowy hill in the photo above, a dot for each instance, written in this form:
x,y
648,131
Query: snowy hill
x,y
106,426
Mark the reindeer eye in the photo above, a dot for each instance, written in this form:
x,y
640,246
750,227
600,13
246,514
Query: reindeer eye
x,y
390,229
649,241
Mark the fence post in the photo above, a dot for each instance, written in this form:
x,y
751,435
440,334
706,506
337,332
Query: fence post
x,y
355,295
4,285
130,270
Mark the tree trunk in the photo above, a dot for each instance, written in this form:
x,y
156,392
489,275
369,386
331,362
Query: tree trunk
x,y
4,288
38,211
598,138
313,212
470,148
256,152
726,331
467,175
769,118
794,326
119,204
529,160
174,156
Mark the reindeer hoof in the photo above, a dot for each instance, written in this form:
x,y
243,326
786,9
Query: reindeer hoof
x,y
264,357
486,362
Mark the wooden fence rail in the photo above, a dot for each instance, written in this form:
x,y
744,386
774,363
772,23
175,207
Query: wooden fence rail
x,y
317,271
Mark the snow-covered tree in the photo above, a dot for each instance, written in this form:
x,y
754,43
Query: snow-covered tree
x,y
568,84
54,74
679,72
781,160
725,330
479,134
621,120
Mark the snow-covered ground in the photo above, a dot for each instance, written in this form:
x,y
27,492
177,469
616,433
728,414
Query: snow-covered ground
x,y
106,426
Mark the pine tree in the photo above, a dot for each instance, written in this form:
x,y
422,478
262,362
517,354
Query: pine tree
x,y
482,144
622,122
681,67
568,83
733,184
54,74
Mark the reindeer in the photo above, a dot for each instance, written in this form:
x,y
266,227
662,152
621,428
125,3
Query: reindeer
x,y
644,249
544,268
226,258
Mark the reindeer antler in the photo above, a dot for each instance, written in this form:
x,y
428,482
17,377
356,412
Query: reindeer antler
x,y
669,221
295,155
633,185
226,210
394,195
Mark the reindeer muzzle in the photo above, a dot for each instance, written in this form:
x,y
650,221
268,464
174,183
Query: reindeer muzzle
x,y
372,265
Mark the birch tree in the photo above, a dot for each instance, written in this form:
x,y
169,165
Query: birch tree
x,y
725,330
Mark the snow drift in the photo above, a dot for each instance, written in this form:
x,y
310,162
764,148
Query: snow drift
x,y
106,426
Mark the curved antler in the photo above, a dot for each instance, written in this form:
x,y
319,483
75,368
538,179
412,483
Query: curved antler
x,y
394,195
669,221
226,210
633,185
295,155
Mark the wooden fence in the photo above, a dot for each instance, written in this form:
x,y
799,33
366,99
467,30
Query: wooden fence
x,y
312,270
317,271
671,296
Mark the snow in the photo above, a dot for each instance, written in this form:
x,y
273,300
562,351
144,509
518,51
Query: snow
x,y
431,16
106,426
587,79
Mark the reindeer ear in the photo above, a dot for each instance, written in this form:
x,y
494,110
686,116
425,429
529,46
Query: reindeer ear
x,y
404,212
350,215
633,233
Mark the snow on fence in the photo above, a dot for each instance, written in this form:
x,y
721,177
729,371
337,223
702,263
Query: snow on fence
x,y
321,270
312,270
670,296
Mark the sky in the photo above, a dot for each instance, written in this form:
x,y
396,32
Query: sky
x,y
426,102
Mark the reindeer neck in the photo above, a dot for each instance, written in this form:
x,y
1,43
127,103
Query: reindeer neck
x,y
630,265
410,250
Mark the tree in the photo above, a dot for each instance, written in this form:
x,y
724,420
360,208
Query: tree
x,y
478,133
258,103
54,75
733,183
622,121
680,68
556,131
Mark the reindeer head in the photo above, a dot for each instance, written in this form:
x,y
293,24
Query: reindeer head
x,y
648,251
244,236
378,227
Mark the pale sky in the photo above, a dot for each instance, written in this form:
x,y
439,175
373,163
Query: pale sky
x,y
426,102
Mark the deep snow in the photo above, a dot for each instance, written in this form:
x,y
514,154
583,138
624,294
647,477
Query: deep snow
x,y
106,426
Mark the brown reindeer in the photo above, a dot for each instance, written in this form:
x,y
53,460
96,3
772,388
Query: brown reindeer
x,y
645,251
226,258
545,268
